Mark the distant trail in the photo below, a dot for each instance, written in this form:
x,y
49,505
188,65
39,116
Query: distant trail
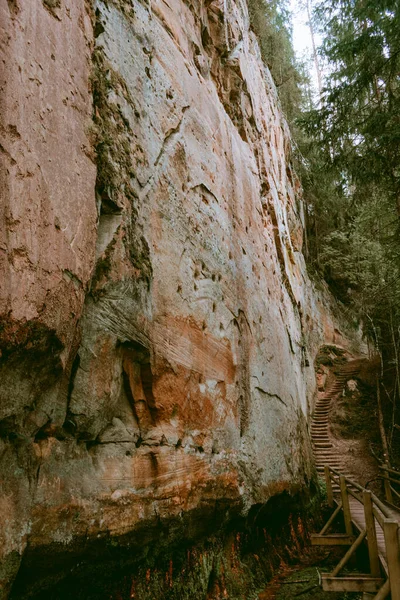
x,y
324,453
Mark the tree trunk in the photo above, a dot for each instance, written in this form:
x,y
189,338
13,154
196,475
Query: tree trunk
x,y
314,49
385,447
397,381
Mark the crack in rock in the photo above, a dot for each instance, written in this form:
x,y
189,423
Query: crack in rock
x,y
169,139
271,395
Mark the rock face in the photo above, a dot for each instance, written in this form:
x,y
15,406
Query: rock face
x,y
158,327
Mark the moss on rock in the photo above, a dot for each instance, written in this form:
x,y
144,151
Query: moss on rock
x,y
111,134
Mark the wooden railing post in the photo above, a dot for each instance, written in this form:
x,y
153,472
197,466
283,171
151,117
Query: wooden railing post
x,y
371,534
386,484
391,531
346,505
328,481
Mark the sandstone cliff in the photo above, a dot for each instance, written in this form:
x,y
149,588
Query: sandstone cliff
x,y
157,325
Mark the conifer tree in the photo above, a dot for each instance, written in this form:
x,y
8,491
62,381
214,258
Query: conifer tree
x,y
359,117
355,135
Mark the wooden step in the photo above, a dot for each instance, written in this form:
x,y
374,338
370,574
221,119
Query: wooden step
x,y
326,455
320,431
323,445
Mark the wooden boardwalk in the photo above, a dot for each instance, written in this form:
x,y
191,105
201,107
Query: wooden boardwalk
x,y
367,520
358,519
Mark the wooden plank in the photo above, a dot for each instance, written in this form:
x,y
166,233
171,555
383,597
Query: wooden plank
x,y
335,539
391,531
328,481
358,519
371,535
358,583
346,506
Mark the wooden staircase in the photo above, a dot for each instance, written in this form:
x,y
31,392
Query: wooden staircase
x,y
324,452
367,520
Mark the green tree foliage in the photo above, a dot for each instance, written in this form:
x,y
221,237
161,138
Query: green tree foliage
x,y
270,20
355,133
352,183
327,207
359,116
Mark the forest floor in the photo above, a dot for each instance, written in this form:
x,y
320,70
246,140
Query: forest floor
x,y
302,579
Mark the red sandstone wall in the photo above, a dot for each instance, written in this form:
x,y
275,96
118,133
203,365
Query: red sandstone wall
x,y
156,359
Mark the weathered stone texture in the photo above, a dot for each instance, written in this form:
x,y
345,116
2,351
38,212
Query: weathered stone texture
x,y
48,211
49,217
193,378
47,228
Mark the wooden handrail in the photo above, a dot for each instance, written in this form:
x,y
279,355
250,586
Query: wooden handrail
x,y
334,471
384,510
375,511
385,468
378,515
395,492
388,479
355,495
336,476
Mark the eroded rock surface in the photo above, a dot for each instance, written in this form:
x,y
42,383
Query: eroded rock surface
x,y
158,325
